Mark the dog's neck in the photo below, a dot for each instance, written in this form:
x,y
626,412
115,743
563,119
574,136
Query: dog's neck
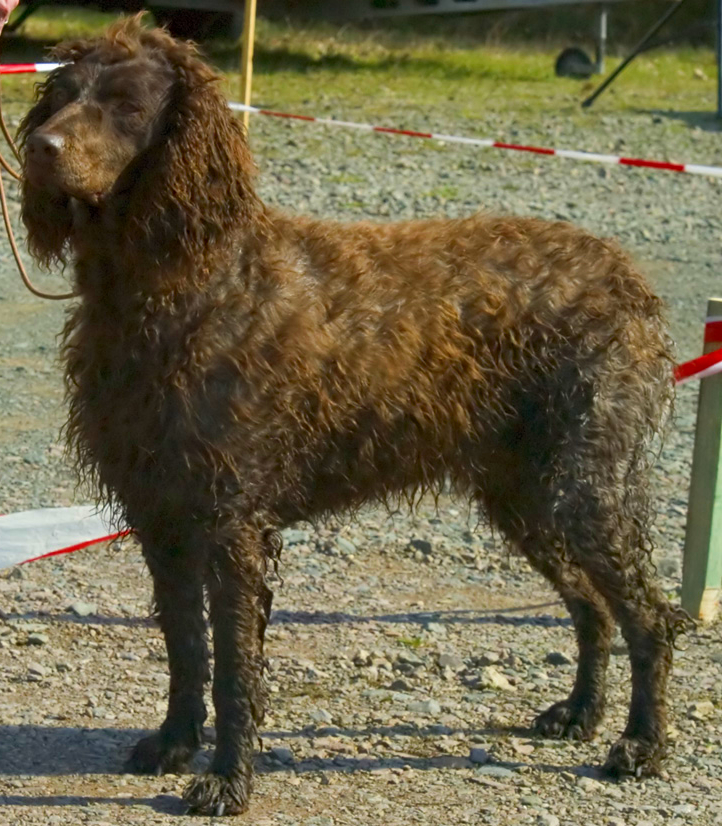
x,y
115,260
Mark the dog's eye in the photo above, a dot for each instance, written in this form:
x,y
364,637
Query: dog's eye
x,y
128,108
59,96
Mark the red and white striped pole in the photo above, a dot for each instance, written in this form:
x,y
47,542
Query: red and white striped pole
x,y
27,68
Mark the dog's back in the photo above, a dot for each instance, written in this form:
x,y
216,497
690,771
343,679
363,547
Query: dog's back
x,y
401,354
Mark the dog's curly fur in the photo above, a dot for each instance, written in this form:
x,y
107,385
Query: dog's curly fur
x,y
231,369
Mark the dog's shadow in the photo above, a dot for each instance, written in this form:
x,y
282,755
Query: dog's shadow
x,y
33,750
496,616
162,804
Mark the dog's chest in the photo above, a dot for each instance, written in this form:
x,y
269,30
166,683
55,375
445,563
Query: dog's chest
x,y
128,378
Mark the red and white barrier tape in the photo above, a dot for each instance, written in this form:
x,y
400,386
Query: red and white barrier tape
x,y
708,364
592,157
37,534
27,68
488,143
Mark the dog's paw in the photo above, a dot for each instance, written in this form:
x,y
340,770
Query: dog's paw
x,y
158,755
568,720
634,757
215,795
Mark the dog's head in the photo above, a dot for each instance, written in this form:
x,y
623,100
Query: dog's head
x,y
134,122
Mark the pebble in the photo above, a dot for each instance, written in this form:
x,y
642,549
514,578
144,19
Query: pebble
x,y
345,545
489,658
450,761
422,545
450,660
36,671
479,755
558,658
292,536
495,771
410,658
425,706
320,715
282,754
700,710
83,609
436,628
489,677
589,784
361,657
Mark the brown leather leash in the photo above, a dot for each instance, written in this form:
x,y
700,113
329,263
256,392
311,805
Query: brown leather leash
x,y
6,216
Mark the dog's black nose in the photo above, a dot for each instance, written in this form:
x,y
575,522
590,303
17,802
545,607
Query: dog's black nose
x,y
45,144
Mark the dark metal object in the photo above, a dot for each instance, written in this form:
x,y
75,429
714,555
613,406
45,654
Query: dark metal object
x,y
574,62
638,49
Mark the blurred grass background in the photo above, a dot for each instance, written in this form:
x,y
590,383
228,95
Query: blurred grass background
x,y
461,65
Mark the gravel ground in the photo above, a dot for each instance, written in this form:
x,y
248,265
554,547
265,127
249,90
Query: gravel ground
x,y
407,653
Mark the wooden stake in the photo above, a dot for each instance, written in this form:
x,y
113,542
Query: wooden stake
x,y
249,33
702,572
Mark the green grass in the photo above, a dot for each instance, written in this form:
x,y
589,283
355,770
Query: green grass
x,y
444,193
52,24
353,72
320,68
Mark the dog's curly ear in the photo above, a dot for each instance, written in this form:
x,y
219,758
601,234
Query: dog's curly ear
x,y
45,211
196,183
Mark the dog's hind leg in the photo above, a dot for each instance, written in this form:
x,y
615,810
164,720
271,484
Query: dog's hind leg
x,y
577,717
240,604
608,546
178,594
522,509
574,496
606,576
603,518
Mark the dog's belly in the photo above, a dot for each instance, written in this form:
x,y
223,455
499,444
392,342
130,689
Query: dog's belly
x,y
375,460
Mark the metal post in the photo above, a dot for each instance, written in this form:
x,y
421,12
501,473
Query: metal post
x,y
643,43
602,39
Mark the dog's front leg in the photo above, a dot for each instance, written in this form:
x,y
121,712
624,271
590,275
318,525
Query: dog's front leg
x,y
178,593
240,606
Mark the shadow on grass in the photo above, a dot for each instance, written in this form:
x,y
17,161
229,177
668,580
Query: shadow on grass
x,y
268,60
708,121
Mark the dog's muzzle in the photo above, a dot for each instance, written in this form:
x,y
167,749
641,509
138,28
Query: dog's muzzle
x,y
43,151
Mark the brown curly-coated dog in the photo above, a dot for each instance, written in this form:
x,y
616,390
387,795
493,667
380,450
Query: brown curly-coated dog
x,y
231,369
